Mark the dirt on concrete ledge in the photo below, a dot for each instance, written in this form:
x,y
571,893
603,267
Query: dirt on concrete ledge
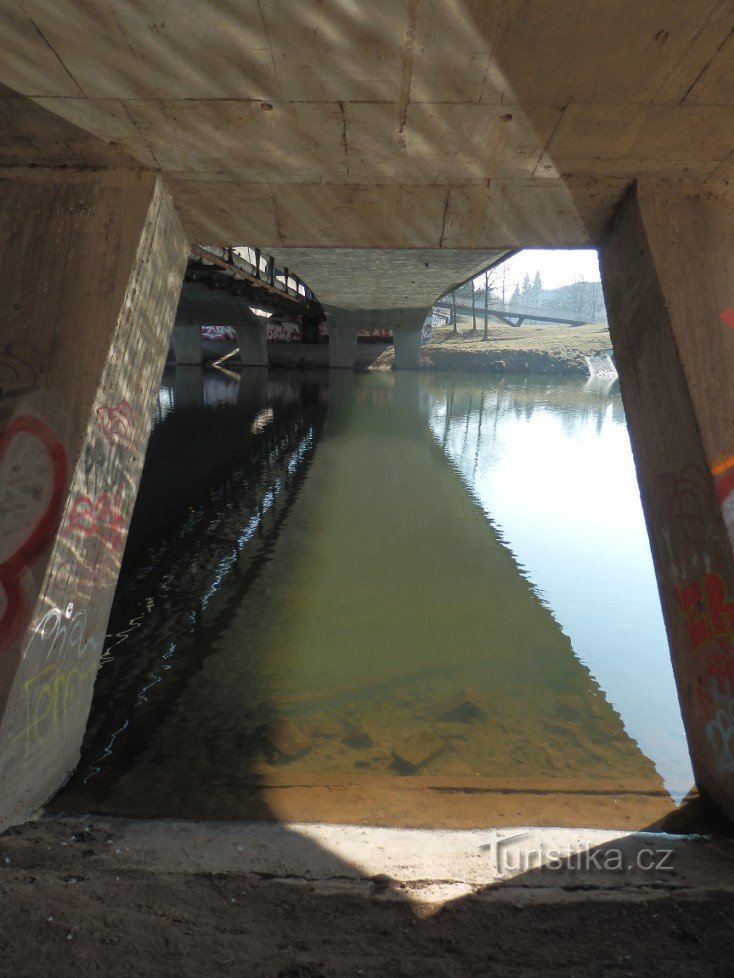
x,y
75,904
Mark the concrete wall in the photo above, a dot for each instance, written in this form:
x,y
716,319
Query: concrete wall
x,y
672,326
92,270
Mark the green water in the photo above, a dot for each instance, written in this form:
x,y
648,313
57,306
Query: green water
x,y
338,577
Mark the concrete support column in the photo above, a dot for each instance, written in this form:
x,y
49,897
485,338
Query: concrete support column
x,y
342,346
253,348
92,266
187,345
668,274
407,345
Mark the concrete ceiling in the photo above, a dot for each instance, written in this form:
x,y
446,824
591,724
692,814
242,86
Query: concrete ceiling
x,y
382,289
394,124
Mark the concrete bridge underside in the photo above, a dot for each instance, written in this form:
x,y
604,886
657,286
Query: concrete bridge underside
x,y
130,131
377,288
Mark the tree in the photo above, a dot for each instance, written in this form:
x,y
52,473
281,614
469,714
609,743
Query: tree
x,y
503,283
578,297
489,292
526,290
596,301
537,288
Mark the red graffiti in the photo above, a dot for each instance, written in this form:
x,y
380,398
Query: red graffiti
x,y
727,316
101,517
708,611
32,482
116,422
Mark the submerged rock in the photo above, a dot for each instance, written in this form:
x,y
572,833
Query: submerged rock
x,y
411,754
328,726
468,705
359,737
283,741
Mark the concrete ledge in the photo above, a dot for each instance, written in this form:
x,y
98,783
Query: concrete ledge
x,y
423,866
114,897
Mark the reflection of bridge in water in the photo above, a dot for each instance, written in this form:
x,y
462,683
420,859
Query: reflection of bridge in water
x,y
328,653
196,539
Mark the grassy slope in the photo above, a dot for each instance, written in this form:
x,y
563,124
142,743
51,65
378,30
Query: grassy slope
x,y
536,349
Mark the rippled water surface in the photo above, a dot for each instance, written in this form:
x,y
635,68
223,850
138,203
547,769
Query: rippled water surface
x,y
392,598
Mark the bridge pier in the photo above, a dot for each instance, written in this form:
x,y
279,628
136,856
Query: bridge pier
x,y
407,345
668,275
342,346
186,341
253,346
92,270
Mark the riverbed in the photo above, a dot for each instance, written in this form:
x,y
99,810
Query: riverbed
x,y
384,598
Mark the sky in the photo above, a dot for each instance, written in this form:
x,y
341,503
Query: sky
x,y
556,266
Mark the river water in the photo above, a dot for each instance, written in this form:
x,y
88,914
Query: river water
x,y
411,599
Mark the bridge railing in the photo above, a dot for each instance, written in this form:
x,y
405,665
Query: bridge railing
x,y
263,267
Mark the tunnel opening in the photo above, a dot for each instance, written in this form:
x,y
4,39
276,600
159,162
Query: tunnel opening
x,y
418,599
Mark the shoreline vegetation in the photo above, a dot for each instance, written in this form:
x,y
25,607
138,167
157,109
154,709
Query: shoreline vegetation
x,y
547,349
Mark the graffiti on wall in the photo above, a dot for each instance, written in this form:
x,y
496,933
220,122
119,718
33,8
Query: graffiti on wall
x,y
51,698
219,334
99,512
280,332
32,485
688,502
100,516
720,732
21,367
708,611
709,614
117,423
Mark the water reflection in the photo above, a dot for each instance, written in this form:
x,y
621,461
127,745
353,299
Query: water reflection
x,y
551,466
316,619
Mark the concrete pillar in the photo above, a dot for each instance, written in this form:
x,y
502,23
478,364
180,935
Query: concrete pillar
x,y
407,345
342,346
253,348
187,345
92,267
668,274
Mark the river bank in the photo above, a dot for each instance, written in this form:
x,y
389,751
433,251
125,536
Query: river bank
x,y
508,349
